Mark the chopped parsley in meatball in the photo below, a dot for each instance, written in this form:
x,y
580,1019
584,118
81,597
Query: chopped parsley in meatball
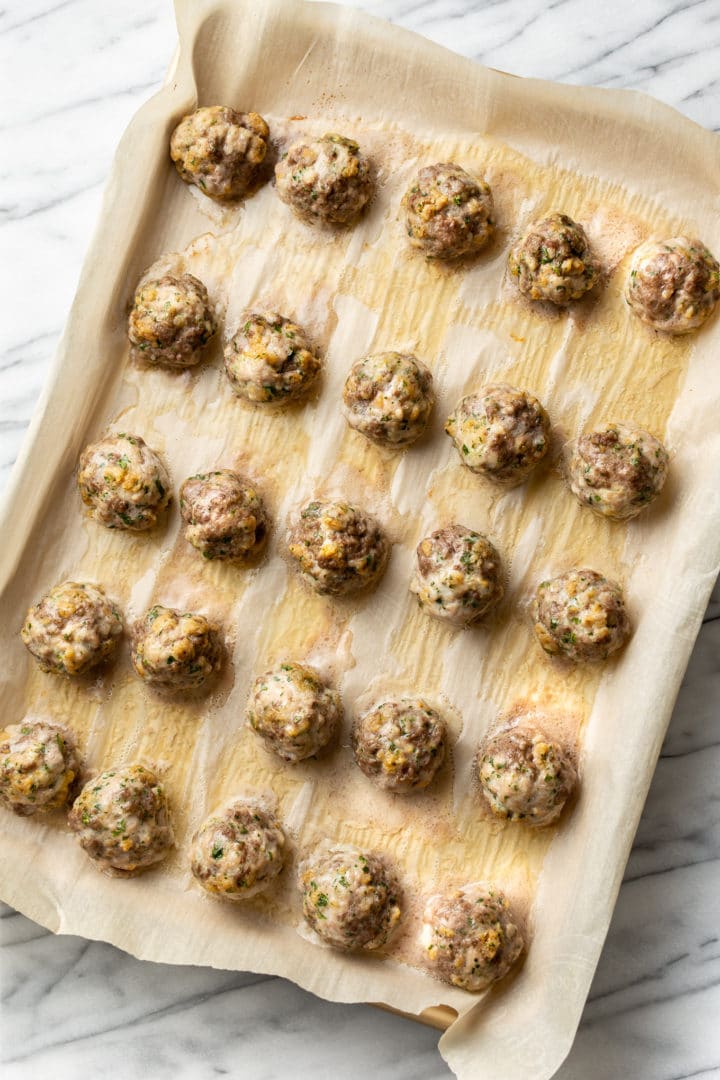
x,y
73,629
39,766
220,150
553,261
124,482
174,650
337,548
580,615
500,432
617,470
458,575
673,285
388,398
328,180
293,711
400,744
171,321
270,360
224,515
238,851
448,212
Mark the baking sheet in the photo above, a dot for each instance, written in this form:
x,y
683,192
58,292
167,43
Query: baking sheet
x,y
604,158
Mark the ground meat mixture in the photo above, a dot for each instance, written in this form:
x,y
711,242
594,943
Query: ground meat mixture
x,y
673,285
617,470
326,180
501,433
39,766
448,212
294,712
239,851
338,549
73,629
121,820
400,744
175,651
350,898
171,321
270,360
220,150
124,482
580,615
470,936
224,515
388,398
553,261
458,576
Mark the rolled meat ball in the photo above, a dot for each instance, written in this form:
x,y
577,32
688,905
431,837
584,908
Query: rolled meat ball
x,y
174,650
673,285
238,851
388,398
350,898
448,212
270,360
121,820
224,515
337,548
500,433
39,766
470,937
617,470
293,711
171,321
400,744
328,180
220,150
458,575
73,629
553,261
580,615
124,482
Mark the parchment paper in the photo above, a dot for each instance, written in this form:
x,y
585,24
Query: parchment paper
x,y
620,163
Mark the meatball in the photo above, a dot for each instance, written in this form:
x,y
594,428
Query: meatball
x,y
400,744
580,615
171,321
124,482
448,212
121,820
326,180
239,851
674,285
270,360
553,261
458,577
73,629
501,433
220,150
294,712
617,470
389,398
351,899
338,549
470,936
524,775
225,517
175,651
39,766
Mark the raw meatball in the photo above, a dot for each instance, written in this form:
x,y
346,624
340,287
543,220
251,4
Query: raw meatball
x,y
72,629
553,261
220,150
39,765
171,321
448,212
388,398
174,651
458,576
270,359
500,432
400,744
580,615
121,820
674,285
524,775
470,936
225,517
338,549
617,470
350,899
239,851
124,482
326,180
294,712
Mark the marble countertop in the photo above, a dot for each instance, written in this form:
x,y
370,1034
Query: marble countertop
x,y
75,72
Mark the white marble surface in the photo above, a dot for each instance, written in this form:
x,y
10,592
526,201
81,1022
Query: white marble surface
x,y
74,71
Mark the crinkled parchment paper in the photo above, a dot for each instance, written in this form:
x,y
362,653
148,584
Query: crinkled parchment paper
x,y
623,165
